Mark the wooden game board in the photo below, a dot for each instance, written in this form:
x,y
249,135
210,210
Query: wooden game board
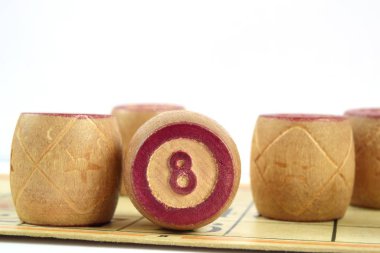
x,y
239,228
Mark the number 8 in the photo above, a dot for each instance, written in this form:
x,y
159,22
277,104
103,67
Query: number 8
x,y
182,179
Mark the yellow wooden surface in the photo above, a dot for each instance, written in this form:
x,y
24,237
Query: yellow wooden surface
x,y
239,228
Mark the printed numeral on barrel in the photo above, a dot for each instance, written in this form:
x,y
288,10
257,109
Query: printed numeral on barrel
x,y
182,178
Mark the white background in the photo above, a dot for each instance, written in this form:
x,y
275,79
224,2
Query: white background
x,y
230,60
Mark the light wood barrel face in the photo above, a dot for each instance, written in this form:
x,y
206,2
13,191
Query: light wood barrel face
x,y
193,177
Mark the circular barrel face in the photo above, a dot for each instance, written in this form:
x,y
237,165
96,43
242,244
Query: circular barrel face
x,y
183,174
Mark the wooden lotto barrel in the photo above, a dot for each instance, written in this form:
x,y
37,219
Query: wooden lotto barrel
x,y
65,168
302,166
366,127
182,170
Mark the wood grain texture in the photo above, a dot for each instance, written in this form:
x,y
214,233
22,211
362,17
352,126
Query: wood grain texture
x,y
65,168
207,152
366,128
302,168
131,116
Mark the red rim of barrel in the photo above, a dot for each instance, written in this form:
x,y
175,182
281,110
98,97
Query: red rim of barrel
x,y
304,117
69,115
364,112
149,107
